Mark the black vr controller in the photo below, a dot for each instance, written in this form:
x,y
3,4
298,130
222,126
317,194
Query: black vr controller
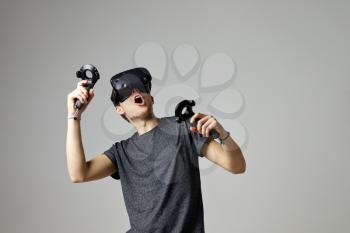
x,y
90,73
183,115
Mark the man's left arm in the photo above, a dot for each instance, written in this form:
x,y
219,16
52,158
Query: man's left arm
x,y
227,155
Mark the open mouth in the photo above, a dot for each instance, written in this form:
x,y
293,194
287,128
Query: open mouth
x,y
139,100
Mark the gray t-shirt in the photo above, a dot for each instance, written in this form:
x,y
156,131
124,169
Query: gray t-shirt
x,y
160,178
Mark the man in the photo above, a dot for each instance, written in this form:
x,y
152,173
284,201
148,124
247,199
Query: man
x,y
158,165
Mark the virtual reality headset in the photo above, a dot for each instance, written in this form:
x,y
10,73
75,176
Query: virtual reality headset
x,y
125,82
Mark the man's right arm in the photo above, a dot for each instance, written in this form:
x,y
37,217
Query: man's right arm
x,y
80,170
98,167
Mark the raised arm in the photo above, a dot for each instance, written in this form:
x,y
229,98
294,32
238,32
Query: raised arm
x,y
98,167
74,147
79,170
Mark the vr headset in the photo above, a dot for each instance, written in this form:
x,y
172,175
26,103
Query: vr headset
x,y
125,82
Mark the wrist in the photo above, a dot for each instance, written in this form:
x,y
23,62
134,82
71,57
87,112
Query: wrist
x,y
222,139
71,117
223,135
74,116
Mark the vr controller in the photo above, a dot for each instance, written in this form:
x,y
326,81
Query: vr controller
x,y
183,115
90,73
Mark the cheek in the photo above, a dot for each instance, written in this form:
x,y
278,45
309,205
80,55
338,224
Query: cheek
x,y
149,99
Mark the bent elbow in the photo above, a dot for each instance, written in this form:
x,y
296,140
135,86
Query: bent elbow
x,y
239,170
76,179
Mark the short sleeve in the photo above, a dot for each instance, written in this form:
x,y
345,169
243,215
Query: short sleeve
x,y
197,139
112,153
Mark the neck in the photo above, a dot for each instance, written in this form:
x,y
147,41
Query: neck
x,y
146,124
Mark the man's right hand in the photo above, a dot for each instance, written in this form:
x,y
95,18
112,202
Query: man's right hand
x,y
82,94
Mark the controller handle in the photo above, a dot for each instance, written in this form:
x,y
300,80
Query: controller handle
x,y
90,73
188,113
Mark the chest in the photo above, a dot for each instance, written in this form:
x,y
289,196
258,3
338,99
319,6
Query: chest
x,y
160,157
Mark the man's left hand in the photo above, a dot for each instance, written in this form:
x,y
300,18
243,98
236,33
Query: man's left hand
x,y
205,124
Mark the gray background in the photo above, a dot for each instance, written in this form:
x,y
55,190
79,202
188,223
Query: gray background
x,y
292,58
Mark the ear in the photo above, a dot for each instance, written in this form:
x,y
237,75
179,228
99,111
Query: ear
x,y
120,109
152,99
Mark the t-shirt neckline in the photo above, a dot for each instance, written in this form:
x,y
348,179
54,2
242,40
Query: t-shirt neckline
x,y
136,134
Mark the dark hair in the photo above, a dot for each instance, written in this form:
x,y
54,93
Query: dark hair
x,y
116,103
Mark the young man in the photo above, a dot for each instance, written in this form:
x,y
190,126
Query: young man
x,y
158,165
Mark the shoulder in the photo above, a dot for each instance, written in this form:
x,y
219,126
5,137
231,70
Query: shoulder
x,y
170,125
171,122
121,144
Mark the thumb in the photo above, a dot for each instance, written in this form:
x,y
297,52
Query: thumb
x,y
92,92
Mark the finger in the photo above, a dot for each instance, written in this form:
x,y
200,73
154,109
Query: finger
x,y
193,129
85,96
82,83
209,128
206,124
194,117
201,122
83,89
81,98
91,96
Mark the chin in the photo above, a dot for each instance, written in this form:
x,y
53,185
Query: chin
x,y
144,112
